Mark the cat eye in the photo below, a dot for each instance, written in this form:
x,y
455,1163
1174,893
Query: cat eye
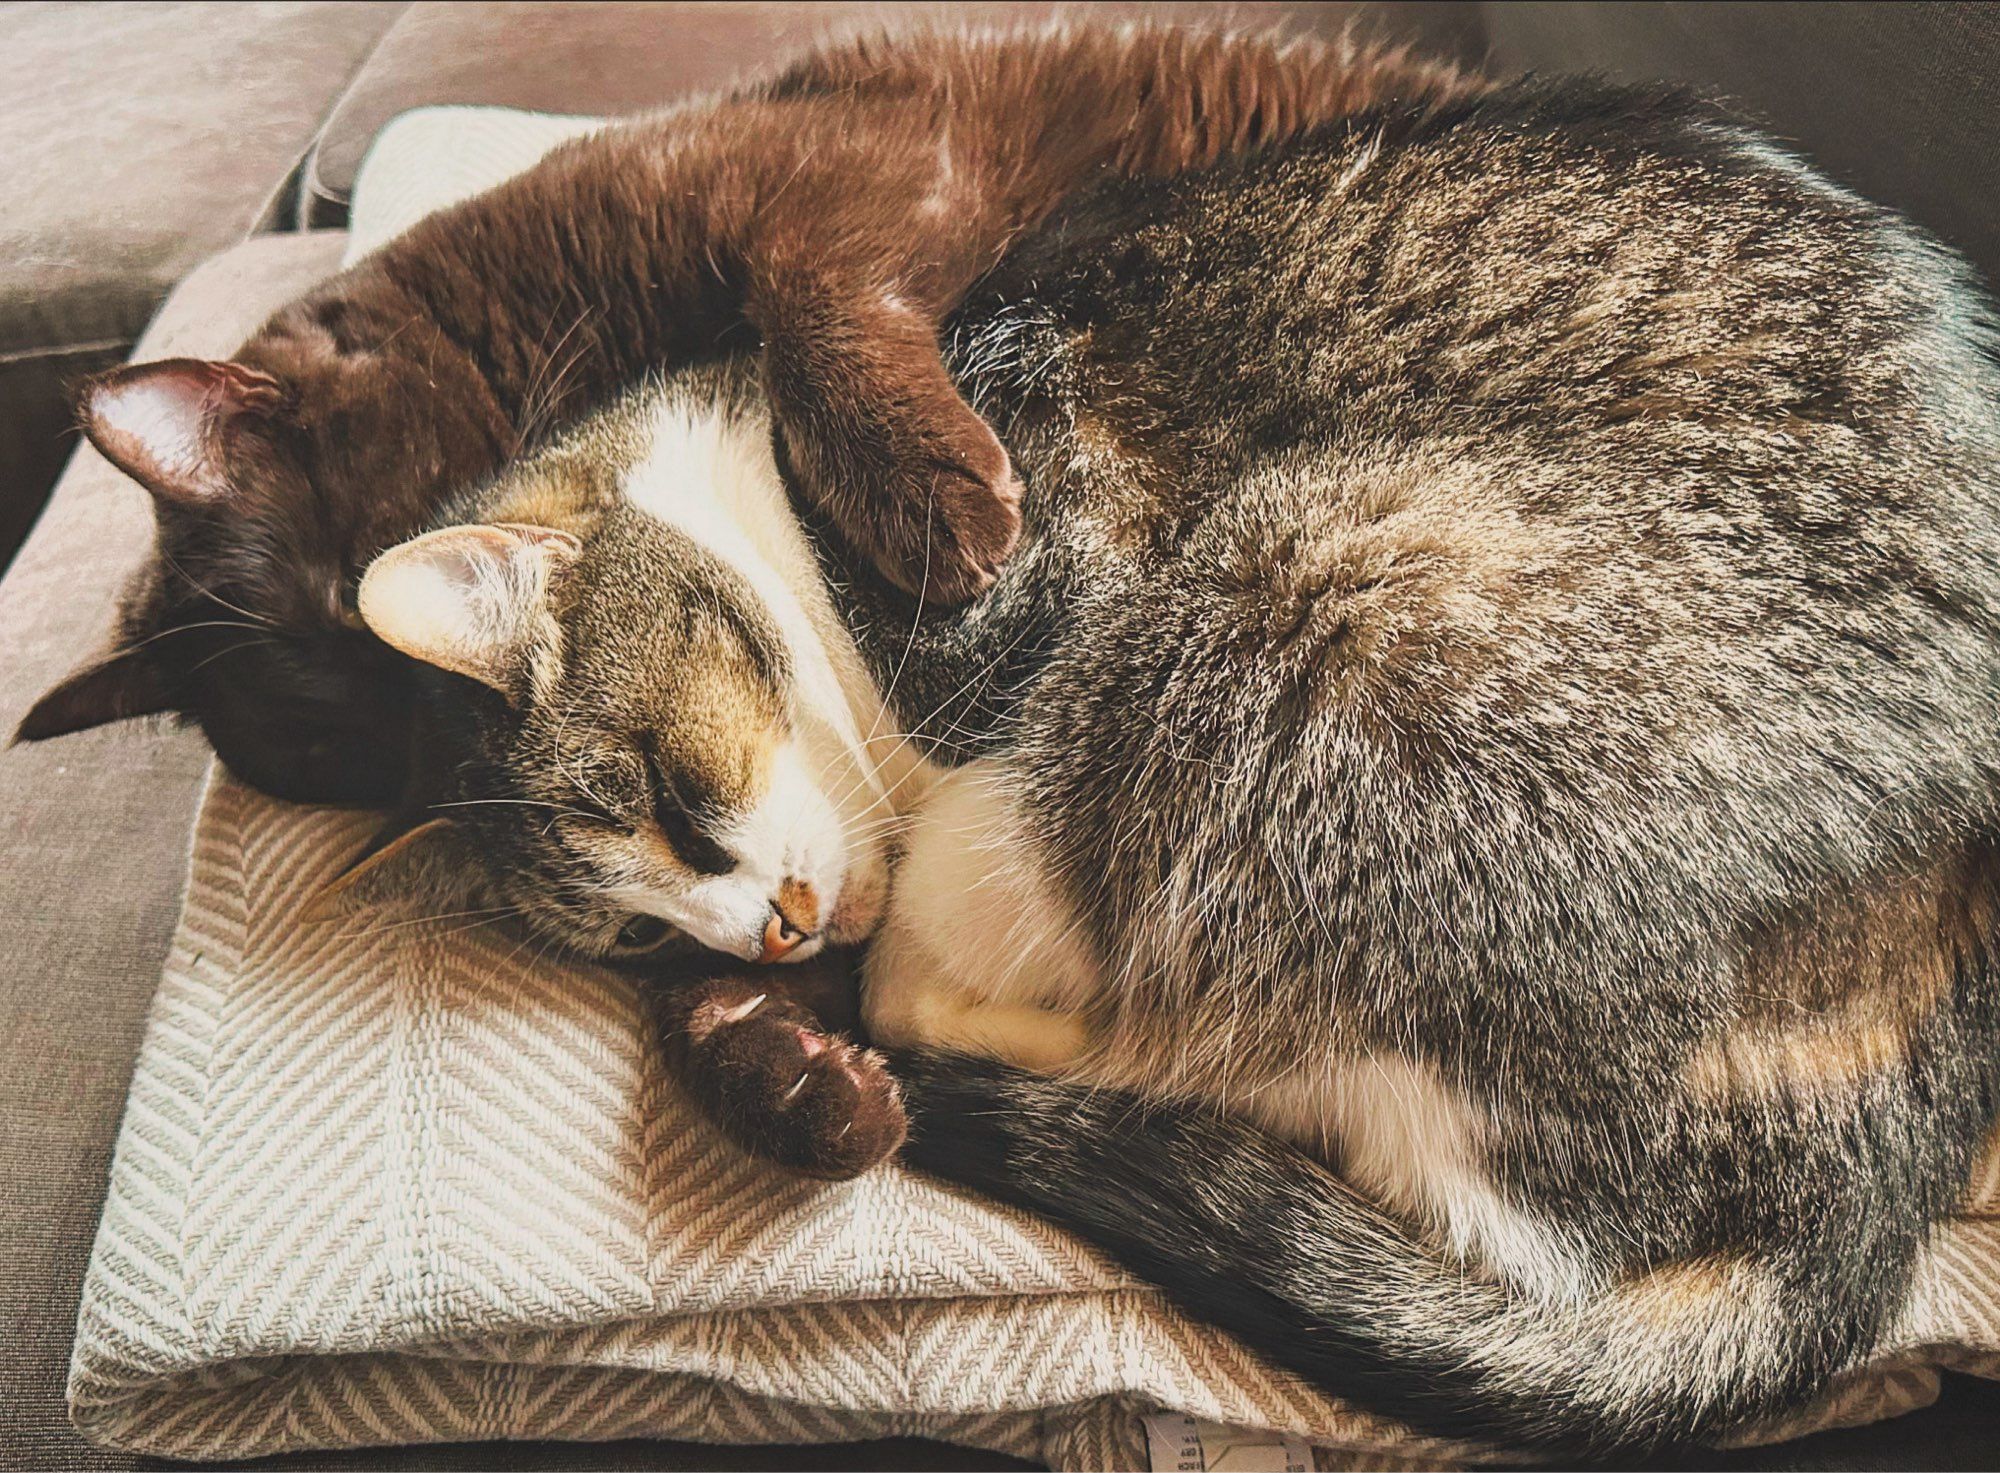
x,y
642,933
673,810
582,806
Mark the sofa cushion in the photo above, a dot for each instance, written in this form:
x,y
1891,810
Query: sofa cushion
x,y
147,138
608,59
168,145
96,849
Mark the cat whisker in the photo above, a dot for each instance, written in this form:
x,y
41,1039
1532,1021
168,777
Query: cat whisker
x,y
383,928
242,644
190,628
208,593
917,726
916,623
509,803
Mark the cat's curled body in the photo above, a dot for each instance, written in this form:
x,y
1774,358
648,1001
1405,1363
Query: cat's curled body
x,y
1500,691
832,212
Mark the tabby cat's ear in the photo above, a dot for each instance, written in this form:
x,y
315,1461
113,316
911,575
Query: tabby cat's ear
x,y
108,688
468,599
163,423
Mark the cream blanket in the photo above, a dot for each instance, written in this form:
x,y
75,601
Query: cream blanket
x,y
407,1180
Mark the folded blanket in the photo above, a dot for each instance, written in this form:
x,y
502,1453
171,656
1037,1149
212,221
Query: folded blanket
x,y
406,1179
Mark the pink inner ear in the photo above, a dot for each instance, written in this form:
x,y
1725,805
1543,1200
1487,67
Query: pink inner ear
x,y
157,421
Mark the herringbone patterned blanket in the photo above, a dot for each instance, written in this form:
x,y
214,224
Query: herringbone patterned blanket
x,y
399,1179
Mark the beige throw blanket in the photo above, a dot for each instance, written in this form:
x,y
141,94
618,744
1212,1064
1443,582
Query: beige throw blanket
x,y
404,1180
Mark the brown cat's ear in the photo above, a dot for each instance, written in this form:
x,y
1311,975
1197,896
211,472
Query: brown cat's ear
x,y
403,860
159,422
467,599
112,687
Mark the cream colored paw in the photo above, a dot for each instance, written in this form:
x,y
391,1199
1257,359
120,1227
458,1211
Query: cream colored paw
x,y
1028,1038
900,1013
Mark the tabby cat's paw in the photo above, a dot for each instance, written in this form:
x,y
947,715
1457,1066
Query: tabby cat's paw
x,y
788,1092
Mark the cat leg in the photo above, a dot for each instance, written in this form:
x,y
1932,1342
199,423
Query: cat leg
x,y
874,431
758,1053
978,952
907,1006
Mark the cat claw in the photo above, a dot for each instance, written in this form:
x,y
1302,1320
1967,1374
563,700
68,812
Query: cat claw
x,y
743,1010
790,1093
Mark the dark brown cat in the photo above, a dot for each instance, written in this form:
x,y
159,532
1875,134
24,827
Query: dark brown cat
x,y
836,211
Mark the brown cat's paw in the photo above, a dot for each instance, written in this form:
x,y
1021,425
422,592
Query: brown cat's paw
x,y
786,1091
950,507
879,438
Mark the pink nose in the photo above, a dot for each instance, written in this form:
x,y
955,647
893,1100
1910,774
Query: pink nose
x,y
780,940
794,920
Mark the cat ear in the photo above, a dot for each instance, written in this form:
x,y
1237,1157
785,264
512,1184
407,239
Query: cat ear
x,y
466,599
414,857
112,687
160,422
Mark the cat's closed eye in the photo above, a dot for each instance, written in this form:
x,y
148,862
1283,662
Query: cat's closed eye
x,y
585,809
674,810
642,933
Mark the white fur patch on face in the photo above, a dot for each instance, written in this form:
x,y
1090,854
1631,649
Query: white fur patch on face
x,y
721,912
843,779
791,844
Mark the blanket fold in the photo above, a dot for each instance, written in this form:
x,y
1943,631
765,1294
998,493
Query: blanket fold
x,y
400,1179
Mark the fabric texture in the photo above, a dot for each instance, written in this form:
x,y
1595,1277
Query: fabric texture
x,y
404,1179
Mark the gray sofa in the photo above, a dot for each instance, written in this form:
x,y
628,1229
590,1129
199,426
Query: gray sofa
x,y
150,138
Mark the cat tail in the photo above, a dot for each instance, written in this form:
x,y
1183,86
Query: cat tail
x,y
1261,1240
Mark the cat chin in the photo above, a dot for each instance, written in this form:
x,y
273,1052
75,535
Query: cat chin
x,y
864,898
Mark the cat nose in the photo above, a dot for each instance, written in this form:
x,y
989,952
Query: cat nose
x,y
794,920
798,906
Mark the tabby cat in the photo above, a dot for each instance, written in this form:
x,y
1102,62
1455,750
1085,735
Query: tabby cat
x,y
836,208
1498,693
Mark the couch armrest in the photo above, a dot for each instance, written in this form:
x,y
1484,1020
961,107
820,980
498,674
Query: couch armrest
x,y
96,832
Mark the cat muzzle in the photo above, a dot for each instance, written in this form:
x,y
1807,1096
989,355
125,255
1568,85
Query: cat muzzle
x,y
794,920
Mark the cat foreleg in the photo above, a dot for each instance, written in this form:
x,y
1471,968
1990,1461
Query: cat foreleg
x,y
907,1003
978,951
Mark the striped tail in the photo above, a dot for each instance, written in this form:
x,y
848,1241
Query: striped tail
x,y
1262,1241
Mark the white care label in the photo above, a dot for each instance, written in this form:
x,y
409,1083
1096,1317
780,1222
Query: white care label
x,y
1177,1443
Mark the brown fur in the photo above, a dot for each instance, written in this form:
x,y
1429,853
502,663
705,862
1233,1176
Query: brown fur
x,y
1839,1004
782,1077
836,211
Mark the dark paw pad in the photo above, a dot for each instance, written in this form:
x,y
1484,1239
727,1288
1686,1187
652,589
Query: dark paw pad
x,y
785,1091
